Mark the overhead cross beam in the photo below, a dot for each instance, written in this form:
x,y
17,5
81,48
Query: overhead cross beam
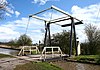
x,y
76,23
48,22
39,18
55,21
55,8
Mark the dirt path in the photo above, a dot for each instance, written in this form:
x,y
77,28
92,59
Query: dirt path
x,y
10,63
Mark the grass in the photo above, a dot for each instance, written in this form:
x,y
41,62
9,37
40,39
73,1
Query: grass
x,y
4,56
28,52
37,66
87,58
34,52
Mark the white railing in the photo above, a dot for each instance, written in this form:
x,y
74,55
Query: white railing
x,y
29,49
51,52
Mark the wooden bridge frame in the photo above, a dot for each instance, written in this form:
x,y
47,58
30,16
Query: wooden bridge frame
x,y
28,49
45,52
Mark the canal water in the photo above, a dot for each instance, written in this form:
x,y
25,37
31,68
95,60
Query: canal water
x,y
8,51
76,66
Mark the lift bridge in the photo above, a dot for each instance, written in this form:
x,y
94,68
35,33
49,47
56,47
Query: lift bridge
x,y
73,21
46,54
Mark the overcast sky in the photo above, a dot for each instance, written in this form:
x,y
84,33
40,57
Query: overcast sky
x,y
16,18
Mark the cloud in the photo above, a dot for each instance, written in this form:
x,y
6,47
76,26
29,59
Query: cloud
x,y
42,2
13,29
9,10
89,15
7,34
7,30
17,13
7,14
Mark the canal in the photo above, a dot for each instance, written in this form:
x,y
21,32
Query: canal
x,y
76,66
8,51
62,64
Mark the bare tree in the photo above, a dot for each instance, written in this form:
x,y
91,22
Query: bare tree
x,y
3,4
93,35
4,7
24,40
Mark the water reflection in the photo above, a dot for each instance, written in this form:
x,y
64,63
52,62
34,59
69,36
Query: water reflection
x,y
8,51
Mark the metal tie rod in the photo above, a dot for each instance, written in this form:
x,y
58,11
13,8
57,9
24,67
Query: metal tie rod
x,y
42,11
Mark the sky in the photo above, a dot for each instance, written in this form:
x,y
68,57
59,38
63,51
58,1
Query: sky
x,y
16,18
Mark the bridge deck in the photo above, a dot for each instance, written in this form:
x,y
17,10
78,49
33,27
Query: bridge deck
x,y
37,57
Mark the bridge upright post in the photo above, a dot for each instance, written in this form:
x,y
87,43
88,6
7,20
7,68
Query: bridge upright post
x,y
71,35
75,39
45,35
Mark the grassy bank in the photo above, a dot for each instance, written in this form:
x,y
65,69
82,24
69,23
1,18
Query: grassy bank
x,y
4,56
87,58
37,66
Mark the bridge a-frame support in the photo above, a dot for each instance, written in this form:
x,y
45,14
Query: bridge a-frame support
x,y
67,17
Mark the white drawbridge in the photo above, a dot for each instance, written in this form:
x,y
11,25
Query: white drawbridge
x,y
47,52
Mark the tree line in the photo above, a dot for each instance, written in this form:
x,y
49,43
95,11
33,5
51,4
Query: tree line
x,y
23,40
90,47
